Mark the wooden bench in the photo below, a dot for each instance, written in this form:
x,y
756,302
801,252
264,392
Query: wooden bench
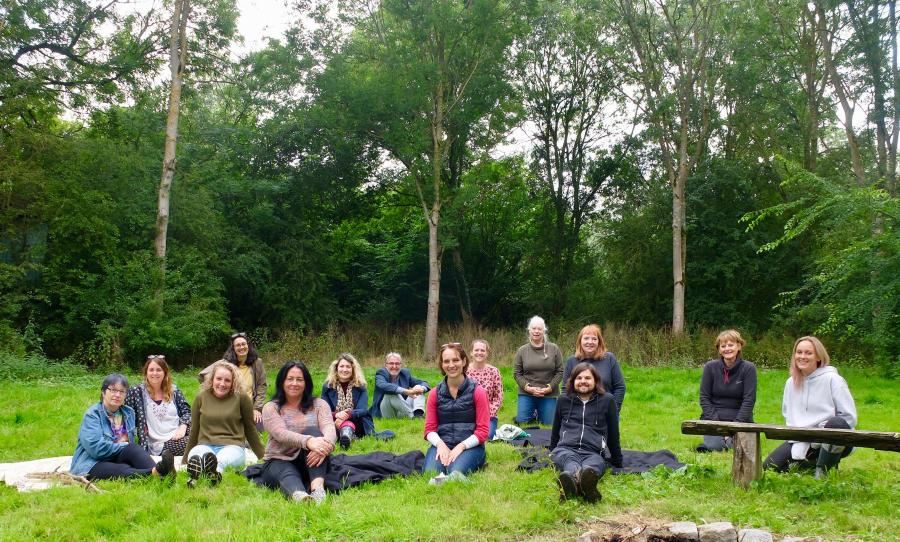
x,y
747,466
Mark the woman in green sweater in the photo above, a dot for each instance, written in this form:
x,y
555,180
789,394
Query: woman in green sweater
x,y
538,370
221,422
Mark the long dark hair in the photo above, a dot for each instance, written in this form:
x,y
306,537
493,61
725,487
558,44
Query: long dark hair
x,y
279,398
577,370
230,356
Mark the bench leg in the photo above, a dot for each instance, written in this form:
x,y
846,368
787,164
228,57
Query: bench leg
x,y
746,465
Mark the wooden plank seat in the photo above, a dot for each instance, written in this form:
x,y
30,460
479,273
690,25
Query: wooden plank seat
x,y
747,465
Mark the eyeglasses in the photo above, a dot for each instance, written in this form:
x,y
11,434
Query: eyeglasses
x,y
117,391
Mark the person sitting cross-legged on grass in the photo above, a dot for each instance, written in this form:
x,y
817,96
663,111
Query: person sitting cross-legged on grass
x,y
106,447
727,389
457,418
585,424
814,396
301,436
398,394
221,422
345,392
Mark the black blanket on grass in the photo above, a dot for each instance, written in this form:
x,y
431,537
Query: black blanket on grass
x,y
352,470
536,455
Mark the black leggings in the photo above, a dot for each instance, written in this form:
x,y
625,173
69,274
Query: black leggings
x,y
289,476
822,455
132,460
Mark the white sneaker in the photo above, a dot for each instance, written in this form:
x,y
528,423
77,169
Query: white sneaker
x,y
301,496
318,495
438,480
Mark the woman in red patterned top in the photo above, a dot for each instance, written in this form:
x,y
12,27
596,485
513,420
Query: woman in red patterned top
x,y
488,377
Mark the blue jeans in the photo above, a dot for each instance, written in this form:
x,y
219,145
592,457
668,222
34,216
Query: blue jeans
x,y
528,404
468,461
492,429
227,455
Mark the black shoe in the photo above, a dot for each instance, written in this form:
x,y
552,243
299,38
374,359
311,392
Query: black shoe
x,y
166,465
418,413
589,491
346,437
194,469
568,486
209,463
703,449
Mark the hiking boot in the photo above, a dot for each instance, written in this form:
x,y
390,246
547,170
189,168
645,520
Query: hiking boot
x,y
318,495
166,466
301,496
589,491
346,437
568,486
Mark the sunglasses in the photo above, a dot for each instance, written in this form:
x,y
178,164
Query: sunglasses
x,y
156,356
236,335
448,345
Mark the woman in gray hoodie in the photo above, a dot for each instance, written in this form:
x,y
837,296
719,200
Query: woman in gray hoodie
x,y
814,396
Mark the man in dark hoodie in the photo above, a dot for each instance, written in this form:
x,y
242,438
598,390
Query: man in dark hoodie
x,y
585,425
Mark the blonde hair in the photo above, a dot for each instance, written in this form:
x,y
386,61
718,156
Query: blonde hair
x,y
601,344
821,353
221,364
729,335
358,380
487,345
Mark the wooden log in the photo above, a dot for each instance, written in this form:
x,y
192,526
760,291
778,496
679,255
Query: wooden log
x,y
746,465
849,437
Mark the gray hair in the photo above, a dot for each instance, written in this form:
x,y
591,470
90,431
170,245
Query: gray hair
x,y
537,321
393,355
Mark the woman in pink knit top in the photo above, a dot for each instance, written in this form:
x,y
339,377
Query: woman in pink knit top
x,y
301,436
488,377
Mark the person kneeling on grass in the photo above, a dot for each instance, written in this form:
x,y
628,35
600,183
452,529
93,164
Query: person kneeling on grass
x,y
301,436
585,424
221,422
457,418
106,447
814,396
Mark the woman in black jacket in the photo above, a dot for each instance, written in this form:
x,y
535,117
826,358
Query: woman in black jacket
x,y
586,423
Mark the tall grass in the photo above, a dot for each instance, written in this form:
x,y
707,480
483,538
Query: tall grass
x,y
634,345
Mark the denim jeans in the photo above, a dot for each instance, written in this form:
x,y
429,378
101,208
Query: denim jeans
x,y
468,461
527,404
228,455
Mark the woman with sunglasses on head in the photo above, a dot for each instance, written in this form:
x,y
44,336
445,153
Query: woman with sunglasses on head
x,y
106,447
457,418
301,436
345,392
251,374
162,415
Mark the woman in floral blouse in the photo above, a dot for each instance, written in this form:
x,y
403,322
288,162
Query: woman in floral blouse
x,y
162,415
488,377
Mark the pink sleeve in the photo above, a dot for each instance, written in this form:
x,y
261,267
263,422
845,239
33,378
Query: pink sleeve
x,y
496,394
431,413
325,420
482,414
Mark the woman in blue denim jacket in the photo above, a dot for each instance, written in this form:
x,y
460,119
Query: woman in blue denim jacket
x,y
106,447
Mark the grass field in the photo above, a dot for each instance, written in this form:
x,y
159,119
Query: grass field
x,y
40,418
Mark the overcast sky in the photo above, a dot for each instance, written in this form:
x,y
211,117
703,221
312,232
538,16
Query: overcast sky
x,y
261,19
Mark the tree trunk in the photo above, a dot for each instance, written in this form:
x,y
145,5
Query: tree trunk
x,y
435,253
177,57
462,287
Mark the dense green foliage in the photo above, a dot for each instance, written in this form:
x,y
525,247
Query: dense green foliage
x,y
858,502
298,197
